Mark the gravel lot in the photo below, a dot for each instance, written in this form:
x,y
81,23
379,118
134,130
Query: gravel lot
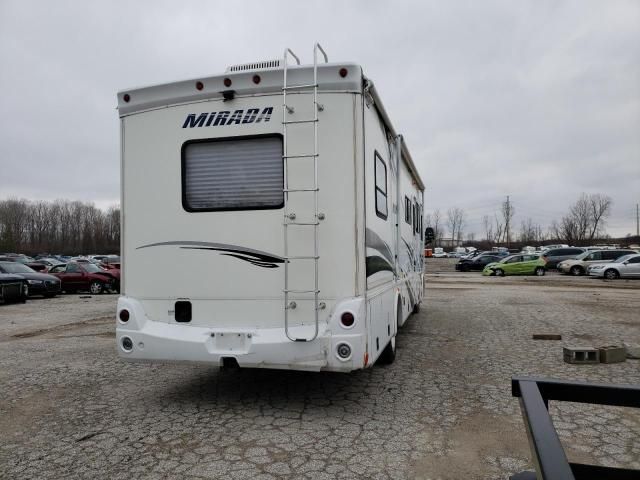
x,y
71,409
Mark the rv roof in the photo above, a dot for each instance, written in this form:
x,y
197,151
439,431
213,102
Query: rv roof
x,y
243,83
135,100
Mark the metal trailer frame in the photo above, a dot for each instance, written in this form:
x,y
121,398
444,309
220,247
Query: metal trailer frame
x,y
548,455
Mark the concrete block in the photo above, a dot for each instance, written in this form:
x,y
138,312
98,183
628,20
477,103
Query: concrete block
x,y
612,354
581,355
633,350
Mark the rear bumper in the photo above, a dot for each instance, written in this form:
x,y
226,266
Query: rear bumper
x,y
250,347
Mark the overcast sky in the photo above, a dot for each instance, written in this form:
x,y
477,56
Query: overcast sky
x,y
539,100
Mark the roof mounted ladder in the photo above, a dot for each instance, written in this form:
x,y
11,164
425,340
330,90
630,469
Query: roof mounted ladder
x,y
289,216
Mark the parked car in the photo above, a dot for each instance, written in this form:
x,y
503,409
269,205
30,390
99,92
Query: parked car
x,y
39,283
439,252
479,262
517,265
627,266
24,260
580,264
455,254
87,277
557,255
49,261
13,288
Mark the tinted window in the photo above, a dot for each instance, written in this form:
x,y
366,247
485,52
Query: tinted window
x,y
573,251
73,268
233,174
407,210
635,260
596,256
381,186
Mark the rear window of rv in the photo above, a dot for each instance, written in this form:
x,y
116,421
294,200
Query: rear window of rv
x,y
233,174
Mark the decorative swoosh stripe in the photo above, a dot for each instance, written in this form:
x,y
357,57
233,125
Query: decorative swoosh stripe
x,y
254,257
375,264
378,263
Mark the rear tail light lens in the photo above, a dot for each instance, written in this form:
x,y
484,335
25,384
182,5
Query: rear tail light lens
x,y
256,79
343,72
124,316
199,85
227,82
347,319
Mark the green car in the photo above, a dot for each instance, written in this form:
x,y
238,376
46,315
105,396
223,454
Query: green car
x,y
517,265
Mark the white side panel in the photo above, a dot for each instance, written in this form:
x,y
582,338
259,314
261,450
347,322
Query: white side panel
x,y
172,253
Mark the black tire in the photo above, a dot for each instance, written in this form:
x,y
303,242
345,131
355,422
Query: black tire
x,y
388,355
416,308
576,271
96,287
464,268
611,274
499,272
49,295
539,271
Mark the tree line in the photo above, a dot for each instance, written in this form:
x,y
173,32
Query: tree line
x,y
58,227
583,223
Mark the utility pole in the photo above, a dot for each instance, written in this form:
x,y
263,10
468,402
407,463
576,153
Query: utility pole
x,y
637,221
508,223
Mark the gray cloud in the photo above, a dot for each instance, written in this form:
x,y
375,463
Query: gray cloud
x,y
539,100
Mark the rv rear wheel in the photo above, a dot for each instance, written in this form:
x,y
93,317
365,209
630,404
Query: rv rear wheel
x,y
416,308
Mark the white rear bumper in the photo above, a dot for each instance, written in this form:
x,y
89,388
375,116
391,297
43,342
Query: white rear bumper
x,y
252,348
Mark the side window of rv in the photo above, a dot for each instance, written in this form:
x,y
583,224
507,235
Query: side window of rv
x,y
407,210
233,174
415,217
381,187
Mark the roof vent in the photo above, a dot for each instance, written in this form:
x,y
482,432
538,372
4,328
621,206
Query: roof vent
x,y
254,66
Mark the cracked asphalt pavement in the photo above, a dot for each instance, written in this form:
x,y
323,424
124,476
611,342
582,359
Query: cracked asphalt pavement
x,y
69,408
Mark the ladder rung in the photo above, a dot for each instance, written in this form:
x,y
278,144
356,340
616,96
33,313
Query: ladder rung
x,y
300,121
288,190
308,257
306,85
300,223
306,155
301,291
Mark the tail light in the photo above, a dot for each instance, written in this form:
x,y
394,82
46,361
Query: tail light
x,y
347,319
124,315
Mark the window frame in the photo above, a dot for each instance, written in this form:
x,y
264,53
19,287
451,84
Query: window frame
x,y
380,214
407,210
183,171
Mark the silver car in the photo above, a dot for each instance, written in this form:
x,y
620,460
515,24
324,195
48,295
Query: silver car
x,y
627,266
580,264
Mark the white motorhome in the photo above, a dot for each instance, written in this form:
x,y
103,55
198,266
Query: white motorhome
x,y
271,217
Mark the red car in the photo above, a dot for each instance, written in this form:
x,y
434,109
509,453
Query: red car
x,y
86,276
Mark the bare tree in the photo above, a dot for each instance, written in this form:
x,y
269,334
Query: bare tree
x,y
455,222
498,231
530,232
585,219
434,220
488,228
61,226
507,215
599,210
